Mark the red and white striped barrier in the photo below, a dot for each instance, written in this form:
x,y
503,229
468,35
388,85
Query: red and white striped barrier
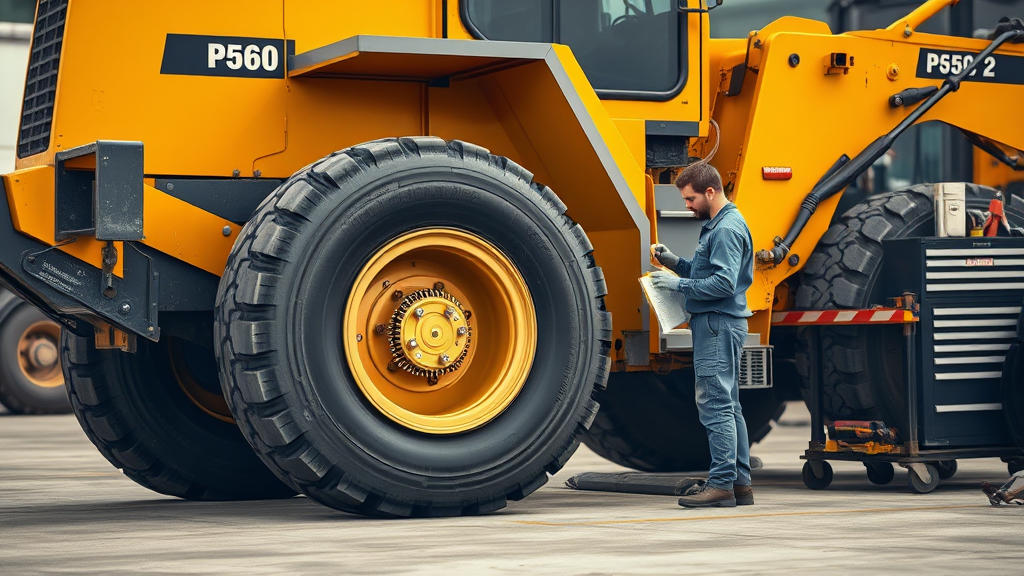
x,y
816,317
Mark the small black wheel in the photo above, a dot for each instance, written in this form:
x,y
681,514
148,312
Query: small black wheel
x,y
814,482
919,485
880,473
946,468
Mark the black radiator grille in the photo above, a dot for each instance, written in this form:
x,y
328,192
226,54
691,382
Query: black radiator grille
x,y
41,82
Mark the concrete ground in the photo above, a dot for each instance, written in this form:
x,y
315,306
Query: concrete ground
x,y
64,509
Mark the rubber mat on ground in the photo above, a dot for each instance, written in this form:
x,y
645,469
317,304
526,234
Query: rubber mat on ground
x,y
633,483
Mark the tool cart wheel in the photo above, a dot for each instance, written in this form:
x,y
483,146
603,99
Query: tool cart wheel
x,y
880,473
413,327
918,485
946,468
812,480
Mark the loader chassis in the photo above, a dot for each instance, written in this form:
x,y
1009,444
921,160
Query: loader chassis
x,y
405,253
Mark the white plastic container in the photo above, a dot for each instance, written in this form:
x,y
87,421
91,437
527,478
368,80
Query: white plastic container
x,y
950,209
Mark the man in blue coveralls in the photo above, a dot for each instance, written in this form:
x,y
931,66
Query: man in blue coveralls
x,y
715,284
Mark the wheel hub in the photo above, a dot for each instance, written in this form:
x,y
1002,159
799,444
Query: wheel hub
x,y
38,355
408,340
428,335
42,354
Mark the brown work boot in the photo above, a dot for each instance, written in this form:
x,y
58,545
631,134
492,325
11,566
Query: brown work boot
x,y
708,497
744,494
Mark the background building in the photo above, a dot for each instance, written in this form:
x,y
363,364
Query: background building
x,y
15,36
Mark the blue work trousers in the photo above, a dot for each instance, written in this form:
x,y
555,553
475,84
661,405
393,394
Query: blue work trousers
x,y
717,349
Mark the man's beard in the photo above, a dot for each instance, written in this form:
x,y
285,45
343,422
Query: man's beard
x,y
702,214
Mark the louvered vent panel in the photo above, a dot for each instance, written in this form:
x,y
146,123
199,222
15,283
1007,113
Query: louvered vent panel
x,y
41,81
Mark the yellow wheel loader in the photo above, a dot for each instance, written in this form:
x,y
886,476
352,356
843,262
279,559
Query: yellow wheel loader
x,y
386,253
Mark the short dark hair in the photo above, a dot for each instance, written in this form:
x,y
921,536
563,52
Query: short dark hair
x,y
701,176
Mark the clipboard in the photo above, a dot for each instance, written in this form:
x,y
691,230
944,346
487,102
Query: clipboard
x,y
669,305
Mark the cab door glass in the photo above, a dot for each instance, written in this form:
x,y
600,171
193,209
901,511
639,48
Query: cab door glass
x,y
515,20
623,44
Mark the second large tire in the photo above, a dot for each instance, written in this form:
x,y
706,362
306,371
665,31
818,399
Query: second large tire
x,y
862,367
136,412
31,381
649,422
297,358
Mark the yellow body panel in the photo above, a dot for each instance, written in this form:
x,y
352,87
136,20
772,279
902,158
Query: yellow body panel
x,y
992,172
185,232
316,23
174,115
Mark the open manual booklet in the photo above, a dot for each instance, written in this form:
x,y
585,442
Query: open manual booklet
x,y
669,305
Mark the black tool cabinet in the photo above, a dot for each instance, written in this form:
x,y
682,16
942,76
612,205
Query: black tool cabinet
x,y
970,292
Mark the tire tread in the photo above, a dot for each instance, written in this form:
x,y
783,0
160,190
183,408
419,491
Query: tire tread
x,y
265,245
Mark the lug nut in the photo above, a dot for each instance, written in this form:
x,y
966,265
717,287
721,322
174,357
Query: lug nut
x,y
379,328
418,355
359,337
412,343
419,312
438,286
445,359
397,295
392,367
461,331
449,311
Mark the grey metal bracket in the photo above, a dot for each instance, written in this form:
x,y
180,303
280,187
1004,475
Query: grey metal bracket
x,y
98,191
135,300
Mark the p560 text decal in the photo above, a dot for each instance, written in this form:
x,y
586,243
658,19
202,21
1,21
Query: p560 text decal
x,y
232,56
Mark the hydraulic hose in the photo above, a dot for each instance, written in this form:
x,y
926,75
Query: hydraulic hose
x,y
831,184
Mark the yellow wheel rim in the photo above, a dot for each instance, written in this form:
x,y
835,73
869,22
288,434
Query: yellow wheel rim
x,y
440,331
210,402
39,354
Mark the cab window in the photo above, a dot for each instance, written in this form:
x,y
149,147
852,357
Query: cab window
x,y
627,48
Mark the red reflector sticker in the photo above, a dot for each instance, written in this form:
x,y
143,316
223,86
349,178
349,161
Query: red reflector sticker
x,y
776,173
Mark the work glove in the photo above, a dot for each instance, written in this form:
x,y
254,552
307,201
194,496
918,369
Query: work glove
x,y
665,280
662,254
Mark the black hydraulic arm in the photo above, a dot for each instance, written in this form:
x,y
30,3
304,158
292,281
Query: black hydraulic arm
x,y
831,185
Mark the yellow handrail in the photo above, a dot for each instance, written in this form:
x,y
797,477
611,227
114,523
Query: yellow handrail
x,y
920,15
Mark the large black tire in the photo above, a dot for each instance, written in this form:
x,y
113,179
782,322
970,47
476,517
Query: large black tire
x,y
135,411
25,389
862,368
649,422
281,306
